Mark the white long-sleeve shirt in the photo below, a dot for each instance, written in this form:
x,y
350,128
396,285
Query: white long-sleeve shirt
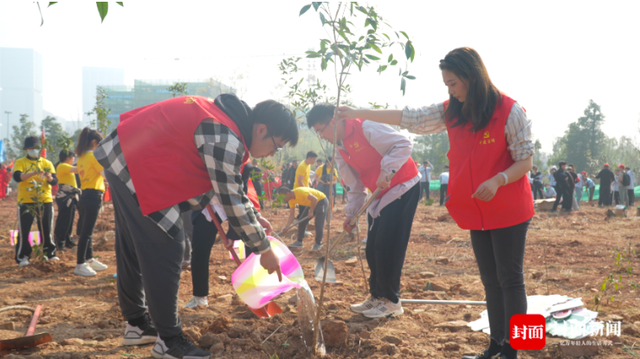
x,y
425,172
395,149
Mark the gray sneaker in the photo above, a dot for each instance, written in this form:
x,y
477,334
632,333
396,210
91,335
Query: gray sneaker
x,y
316,247
296,244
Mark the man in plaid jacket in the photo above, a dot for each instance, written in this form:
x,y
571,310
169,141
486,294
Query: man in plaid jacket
x,y
167,158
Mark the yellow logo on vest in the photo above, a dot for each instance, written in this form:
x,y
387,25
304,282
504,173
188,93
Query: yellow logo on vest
x,y
487,140
357,147
189,101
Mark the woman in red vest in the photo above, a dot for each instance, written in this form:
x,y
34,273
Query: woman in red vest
x,y
491,152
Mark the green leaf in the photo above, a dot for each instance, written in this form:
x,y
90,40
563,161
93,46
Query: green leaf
x,y
323,64
408,50
322,19
375,47
41,18
103,8
120,3
371,57
304,9
390,58
410,77
403,85
316,4
382,68
393,63
312,54
405,34
51,3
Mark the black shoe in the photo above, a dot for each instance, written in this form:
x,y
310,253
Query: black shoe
x,y
483,355
70,243
60,247
178,348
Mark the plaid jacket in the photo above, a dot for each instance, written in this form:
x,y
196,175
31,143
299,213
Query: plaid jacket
x,y
221,151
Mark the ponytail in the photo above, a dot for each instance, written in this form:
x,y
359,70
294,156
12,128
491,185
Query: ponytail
x,y
84,140
64,154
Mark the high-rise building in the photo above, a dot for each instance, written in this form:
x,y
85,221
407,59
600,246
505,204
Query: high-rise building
x,y
121,99
92,78
21,84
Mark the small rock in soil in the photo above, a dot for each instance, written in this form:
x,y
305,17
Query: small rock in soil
x,y
390,349
351,261
451,346
219,325
293,300
392,339
236,331
335,333
537,275
207,340
434,287
453,326
427,275
442,260
364,335
71,341
217,348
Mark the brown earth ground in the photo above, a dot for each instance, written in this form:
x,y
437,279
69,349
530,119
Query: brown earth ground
x,y
566,254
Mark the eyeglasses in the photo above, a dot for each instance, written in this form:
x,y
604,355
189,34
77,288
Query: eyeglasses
x,y
319,132
275,145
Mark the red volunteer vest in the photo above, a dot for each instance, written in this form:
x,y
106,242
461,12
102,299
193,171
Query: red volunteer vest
x,y
475,158
366,160
157,142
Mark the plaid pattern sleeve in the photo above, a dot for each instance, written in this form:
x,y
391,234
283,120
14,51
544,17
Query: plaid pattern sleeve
x,y
518,134
424,120
222,153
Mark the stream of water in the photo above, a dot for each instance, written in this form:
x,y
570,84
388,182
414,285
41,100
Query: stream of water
x,y
306,316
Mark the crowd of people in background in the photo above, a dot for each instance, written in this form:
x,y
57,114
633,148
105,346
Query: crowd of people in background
x,y
568,186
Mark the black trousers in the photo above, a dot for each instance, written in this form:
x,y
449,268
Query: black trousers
x,y
387,240
616,198
567,199
80,219
443,192
537,191
500,256
424,188
64,221
91,202
632,197
25,218
605,196
204,236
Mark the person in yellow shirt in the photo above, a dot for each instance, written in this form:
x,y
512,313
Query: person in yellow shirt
x,y
326,182
66,199
303,176
303,172
92,185
35,176
317,205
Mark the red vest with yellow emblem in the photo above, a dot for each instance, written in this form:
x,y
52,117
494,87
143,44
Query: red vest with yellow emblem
x,y
365,159
475,158
158,145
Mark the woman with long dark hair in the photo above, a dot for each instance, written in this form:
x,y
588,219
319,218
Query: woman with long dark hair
x,y
489,194
92,185
66,199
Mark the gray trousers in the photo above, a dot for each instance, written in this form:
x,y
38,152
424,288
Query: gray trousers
x,y
320,214
148,261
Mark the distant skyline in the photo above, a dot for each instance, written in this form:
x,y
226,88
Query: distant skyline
x,y
553,57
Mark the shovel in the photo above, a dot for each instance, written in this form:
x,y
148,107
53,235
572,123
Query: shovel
x,y
29,340
268,310
331,269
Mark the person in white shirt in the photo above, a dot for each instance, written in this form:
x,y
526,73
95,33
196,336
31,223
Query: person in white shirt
x,y
549,192
425,172
552,180
632,185
444,183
